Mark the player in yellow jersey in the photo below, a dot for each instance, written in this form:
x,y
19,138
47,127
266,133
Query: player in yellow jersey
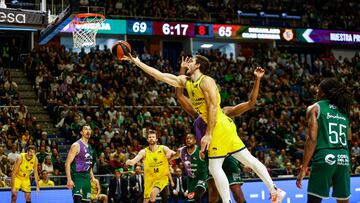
x,y
45,181
95,192
156,168
20,178
220,137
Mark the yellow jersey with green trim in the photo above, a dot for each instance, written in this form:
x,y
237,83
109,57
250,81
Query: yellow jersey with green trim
x,y
156,164
26,167
197,98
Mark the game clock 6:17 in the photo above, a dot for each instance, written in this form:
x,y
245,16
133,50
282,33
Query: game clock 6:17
x,y
174,29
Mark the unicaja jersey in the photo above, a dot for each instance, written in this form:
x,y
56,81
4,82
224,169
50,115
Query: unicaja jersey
x,y
156,164
193,164
197,98
333,127
26,166
83,159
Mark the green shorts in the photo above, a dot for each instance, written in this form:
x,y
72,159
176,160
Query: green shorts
x,y
193,183
330,168
82,185
231,167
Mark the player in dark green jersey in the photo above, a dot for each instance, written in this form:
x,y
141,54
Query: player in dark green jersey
x,y
195,167
327,144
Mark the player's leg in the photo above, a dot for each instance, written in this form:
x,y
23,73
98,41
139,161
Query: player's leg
x,y
26,188
237,193
232,170
86,189
246,158
164,194
341,179
77,190
27,197
199,193
103,198
14,196
313,199
155,191
213,192
14,189
221,182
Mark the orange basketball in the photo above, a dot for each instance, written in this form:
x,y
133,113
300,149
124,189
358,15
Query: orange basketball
x,y
120,49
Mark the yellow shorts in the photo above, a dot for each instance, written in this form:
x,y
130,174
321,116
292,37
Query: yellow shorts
x,y
150,183
100,197
23,184
224,140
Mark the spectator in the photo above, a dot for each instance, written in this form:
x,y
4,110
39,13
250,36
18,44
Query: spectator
x,y
14,154
47,165
179,190
118,188
137,186
45,181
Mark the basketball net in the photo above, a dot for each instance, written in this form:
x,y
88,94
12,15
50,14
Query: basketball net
x,y
85,28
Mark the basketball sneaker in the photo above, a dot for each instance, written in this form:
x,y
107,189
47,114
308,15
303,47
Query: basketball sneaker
x,y
277,196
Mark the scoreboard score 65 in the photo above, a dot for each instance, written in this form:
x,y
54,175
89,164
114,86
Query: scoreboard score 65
x,y
226,31
139,27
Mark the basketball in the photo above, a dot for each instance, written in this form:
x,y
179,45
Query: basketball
x,y
120,49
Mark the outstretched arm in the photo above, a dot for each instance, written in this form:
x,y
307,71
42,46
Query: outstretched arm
x,y
137,158
239,109
173,80
169,153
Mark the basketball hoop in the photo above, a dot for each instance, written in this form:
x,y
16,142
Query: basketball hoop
x,y
84,29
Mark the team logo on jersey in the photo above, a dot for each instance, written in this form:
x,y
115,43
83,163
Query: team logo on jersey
x,y
330,159
155,159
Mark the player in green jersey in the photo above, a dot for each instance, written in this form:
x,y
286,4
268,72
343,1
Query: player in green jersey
x,y
327,144
195,167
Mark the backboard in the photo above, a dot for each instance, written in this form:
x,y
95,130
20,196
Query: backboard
x,y
61,14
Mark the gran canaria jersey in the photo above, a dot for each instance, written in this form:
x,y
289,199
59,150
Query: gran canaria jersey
x,y
198,100
224,139
26,166
156,164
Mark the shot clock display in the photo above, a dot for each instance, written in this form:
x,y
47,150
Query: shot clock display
x,y
138,27
204,30
173,29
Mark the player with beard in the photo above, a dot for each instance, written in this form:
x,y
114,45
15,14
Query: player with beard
x,y
231,165
78,167
156,168
195,167
20,178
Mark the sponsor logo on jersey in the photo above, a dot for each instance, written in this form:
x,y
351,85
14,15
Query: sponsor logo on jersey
x,y
330,159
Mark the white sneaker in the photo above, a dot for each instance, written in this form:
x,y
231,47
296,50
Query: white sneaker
x,y
278,196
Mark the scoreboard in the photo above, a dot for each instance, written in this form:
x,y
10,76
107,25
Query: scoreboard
x,y
224,31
